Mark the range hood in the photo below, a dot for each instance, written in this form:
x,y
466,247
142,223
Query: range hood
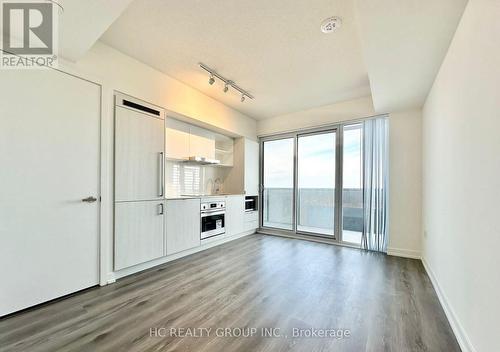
x,y
203,161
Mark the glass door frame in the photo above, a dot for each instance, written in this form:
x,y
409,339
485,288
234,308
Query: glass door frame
x,y
261,180
338,129
336,214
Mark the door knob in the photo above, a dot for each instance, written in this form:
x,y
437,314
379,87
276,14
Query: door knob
x,y
89,200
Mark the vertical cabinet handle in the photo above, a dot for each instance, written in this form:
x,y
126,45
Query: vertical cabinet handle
x,y
160,209
161,176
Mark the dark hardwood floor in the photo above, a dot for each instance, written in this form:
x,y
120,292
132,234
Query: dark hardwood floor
x,y
384,303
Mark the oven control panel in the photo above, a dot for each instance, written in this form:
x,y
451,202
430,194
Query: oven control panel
x,y
213,206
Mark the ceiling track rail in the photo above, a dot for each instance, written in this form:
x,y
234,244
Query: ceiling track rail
x,y
226,81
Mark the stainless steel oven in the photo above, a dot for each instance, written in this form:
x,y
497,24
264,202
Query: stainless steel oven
x,y
213,220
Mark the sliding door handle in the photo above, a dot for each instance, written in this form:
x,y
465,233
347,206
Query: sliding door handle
x,y
89,200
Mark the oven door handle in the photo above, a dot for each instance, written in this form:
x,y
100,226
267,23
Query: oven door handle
x,y
210,213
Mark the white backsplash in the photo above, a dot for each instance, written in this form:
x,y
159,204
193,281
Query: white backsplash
x,y
189,178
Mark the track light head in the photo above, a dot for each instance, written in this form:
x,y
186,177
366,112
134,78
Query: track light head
x,y
242,98
211,80
226,88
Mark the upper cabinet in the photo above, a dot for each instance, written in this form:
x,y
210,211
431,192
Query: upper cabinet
x,y
244,176
184,140
176,139
201,142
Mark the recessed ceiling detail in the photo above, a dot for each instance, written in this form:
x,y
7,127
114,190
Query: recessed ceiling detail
x,y
404,44
77,32
288,67
294,67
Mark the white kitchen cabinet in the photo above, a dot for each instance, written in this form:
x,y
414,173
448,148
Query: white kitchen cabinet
x,y
139,232
244,175
183,225
251,220
235,212
184,140
177,135
201,143
139,155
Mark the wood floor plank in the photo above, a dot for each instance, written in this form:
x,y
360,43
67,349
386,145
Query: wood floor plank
x,y
386,303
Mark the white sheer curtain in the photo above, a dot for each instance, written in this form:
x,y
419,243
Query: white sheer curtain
x,y
376,182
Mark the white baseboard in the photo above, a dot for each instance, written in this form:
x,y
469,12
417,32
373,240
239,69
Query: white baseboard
x,y
458,330
405,253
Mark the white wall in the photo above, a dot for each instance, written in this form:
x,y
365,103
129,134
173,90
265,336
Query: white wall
x,y
461,162
405,162
343,111
405,154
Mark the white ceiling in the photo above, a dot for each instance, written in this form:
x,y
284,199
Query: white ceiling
x,y
83,22
273,49
404,44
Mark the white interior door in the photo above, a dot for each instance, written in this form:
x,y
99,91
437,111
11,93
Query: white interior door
x,y
49,162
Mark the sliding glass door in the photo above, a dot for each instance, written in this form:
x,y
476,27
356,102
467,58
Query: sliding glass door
x,y
316,180
278,183
313,182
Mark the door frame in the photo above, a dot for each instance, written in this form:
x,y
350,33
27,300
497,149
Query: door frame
x,y
337,215
261,179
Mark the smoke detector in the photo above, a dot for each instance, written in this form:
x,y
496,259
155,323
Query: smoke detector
x,y
331,24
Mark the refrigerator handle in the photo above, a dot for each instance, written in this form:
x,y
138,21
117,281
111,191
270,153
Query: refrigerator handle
x,y
162,175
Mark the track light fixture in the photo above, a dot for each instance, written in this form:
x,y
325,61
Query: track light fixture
x,y
227,82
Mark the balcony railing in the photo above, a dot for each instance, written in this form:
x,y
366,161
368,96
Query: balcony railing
x,y
315,208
